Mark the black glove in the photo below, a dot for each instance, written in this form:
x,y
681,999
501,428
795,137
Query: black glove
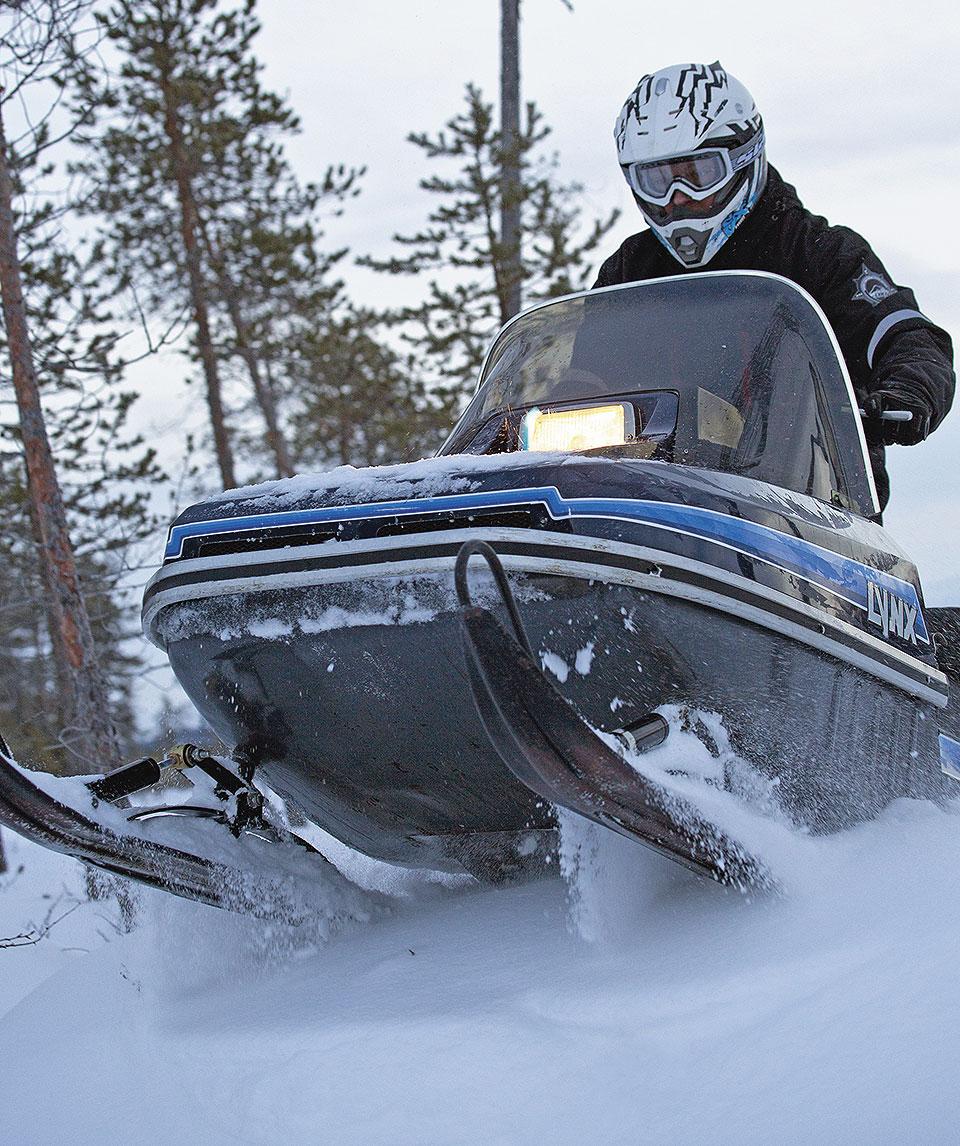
x,y
888,409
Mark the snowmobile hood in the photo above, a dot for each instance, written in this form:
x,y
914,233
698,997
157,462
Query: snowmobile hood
x,y
353,526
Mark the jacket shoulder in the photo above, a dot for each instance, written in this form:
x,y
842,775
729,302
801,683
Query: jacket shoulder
x,y
631,262
809,244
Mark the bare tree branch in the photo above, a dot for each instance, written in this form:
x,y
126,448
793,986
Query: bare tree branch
x,y
38,932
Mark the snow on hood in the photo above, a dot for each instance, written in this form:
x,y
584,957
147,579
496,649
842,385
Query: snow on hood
x,y
457,473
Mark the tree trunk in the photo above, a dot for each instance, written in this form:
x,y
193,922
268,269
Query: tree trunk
x,y
91,738
266,399
198,297
510,185
58,653
263,391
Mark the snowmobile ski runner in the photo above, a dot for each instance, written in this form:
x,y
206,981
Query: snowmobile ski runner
x,y
30,810
547,746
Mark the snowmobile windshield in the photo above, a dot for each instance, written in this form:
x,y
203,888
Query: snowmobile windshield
x,y
730,371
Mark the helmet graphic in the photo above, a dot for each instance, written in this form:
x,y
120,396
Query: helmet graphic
x,y
691,147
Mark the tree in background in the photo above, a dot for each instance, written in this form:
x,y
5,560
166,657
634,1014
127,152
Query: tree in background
x,y
452,326
511,182
199,211
56,345
275,284
356,400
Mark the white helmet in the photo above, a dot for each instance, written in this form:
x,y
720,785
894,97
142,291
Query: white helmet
x,y
694,129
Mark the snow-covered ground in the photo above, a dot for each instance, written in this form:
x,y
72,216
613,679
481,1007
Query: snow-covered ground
x,y
634,1003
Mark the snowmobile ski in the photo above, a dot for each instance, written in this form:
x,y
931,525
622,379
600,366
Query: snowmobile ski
x,y
41,818
551,750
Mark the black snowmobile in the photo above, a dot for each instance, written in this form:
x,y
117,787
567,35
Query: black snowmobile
x,y
659,496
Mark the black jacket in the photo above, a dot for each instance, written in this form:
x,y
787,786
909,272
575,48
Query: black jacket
x,y
887,343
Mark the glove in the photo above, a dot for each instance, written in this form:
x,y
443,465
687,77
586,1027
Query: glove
x,y
888,408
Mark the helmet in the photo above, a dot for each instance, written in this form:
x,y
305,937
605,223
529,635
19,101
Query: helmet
x,y
694,129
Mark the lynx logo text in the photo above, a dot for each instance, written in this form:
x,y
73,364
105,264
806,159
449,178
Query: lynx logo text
x,y
891,613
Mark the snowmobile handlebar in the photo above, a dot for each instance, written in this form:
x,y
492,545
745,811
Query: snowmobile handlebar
x,y
892,415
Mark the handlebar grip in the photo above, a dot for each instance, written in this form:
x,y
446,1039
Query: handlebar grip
x,y
891,415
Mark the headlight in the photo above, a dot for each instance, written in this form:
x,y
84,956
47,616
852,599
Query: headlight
x,y
583,428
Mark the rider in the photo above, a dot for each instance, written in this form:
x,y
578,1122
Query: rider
x,y
691,147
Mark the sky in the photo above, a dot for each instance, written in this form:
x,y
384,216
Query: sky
x,y
859,103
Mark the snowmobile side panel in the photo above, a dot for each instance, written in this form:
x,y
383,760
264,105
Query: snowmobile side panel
x,y
944,625
602,518
418,764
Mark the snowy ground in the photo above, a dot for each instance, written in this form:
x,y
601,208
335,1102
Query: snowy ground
x,y
829,1014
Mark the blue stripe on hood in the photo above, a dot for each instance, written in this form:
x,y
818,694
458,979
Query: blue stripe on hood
x,y
839,575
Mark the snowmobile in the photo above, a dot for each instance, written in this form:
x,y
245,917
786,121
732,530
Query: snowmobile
x,y
659,496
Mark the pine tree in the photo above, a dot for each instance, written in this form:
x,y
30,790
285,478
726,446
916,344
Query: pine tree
x,y
511,186
186,165
275,281
104,475
511,227
355,400
472,271
57,347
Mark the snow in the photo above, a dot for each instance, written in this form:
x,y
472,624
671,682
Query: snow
x,y
553,662
628,1002
270,630
40,891
584,659
346,485
386,601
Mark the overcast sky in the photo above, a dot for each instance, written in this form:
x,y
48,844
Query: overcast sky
x,y
860,103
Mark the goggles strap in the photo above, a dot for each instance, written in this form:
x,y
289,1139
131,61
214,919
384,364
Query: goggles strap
x,y
747,152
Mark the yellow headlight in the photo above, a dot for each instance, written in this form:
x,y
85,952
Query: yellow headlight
x,y
582,429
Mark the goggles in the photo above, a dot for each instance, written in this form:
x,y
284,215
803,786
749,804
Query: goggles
x,y
697,173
